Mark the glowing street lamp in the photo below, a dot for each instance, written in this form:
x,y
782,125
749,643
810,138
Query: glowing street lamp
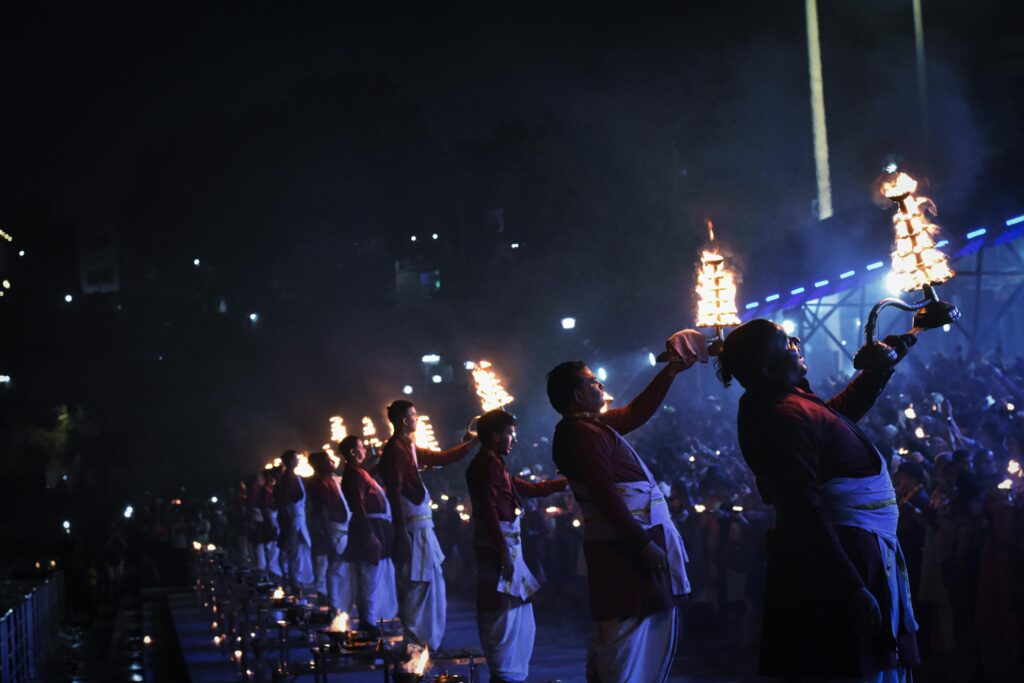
x,y
568,323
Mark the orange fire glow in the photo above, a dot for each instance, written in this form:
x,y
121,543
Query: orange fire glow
x,y
716,285
916,261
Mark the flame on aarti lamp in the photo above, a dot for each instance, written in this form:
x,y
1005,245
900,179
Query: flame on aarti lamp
x,y
916,261
335,460
338,429
339,623
716,285
419,661
489,387
303,468
425,433
278,593
370,433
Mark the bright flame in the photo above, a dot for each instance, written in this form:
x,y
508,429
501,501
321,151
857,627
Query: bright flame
x,y
340,623
576,523
699,508
551,510
916,261
338,429
419,661
278,593
716,285
196,545
335,460
303,468
211,547
919,432
464,517
489,388
910,413
1006,484
1013,468
370,434
737,508
425,433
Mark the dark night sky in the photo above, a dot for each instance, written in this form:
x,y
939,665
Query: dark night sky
x,y
295,150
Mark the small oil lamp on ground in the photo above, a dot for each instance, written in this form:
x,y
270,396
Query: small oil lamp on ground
x,y
917,263
716,308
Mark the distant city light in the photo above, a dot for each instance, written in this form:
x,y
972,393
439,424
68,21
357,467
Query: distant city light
x,y
436,379
515,245
67,526
254,317
213,499
195,262
68,298
431,359
6,236
128,512
602,374
433,236
651,358
7,284
789,326
21,253
412,238
5,379
568,323
407,389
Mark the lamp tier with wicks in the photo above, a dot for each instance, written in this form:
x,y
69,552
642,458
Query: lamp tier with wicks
x,y
916,260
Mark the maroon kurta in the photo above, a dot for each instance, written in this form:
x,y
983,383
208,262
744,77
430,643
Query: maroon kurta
x,y
494,497
585,449
369,539
401,476
327,506
794,442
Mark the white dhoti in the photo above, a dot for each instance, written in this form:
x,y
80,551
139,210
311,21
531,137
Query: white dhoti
x,y
507,635
632,650
374,591
271,551
507,638
297,544
422,603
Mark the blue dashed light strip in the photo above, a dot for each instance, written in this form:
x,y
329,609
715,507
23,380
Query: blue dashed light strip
x,y
973,234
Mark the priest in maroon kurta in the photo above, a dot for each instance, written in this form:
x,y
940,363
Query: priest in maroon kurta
x,y
504,582
635,557
828,606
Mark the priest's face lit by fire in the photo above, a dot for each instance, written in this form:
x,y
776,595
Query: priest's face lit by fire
x,y
590,395
357,454
505,440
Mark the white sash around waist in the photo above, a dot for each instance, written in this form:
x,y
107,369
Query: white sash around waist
x,y
522,584
869,503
